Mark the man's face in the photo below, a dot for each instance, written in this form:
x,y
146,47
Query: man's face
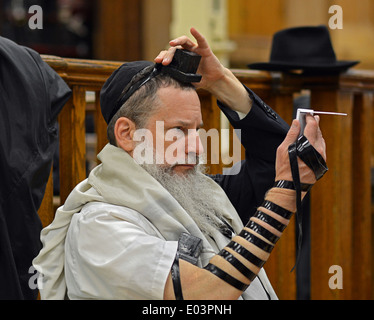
x,y
174,129
174,126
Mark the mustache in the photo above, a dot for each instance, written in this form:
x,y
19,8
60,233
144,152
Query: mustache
x,y
191,158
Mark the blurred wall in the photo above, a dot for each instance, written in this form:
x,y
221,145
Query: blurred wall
x,y
138,29
250,25
253,22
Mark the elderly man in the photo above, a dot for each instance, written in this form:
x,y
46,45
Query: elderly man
x,y
165,230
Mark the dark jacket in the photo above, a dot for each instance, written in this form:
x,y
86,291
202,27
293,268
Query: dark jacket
x,y
31,97
262,131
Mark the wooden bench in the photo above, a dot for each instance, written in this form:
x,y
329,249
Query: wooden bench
x,y
341,209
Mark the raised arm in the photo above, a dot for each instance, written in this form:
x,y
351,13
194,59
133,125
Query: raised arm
x,y
217,79
231,271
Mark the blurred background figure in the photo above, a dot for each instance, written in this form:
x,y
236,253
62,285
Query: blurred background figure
x,y
31,97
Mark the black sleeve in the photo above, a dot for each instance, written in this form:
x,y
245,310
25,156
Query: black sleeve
x,y
262,130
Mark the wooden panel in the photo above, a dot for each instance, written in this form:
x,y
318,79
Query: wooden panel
x,y
89,73
362,219
155,27
118,36
211,118
283,105
72,142
244,17
331,198
46,210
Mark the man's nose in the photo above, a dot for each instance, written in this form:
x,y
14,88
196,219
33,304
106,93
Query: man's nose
x,y
194,144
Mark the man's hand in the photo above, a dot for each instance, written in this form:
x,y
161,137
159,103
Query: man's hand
x,y
210,67
313,133
216,79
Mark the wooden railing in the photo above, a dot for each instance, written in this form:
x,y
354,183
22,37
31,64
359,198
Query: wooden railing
x,y
341,215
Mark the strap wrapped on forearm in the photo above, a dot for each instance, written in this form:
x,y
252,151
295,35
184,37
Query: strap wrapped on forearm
x,y
284,184
257,236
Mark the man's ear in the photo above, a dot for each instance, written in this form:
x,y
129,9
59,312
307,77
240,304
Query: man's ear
x,y
124,130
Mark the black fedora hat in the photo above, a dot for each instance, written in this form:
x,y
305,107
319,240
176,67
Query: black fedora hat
x,y
306,48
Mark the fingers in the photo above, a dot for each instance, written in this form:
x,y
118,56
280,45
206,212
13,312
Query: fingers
x,y
186,42
183,42
166,56
283,171
201,41
312,126
313,133
160,57
291,137
292,134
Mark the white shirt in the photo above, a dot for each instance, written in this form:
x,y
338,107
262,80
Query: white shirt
x,y
113,252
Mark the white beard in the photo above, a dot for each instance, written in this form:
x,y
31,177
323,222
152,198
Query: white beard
x,y
192,192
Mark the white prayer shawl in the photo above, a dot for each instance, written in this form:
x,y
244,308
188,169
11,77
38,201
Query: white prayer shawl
x,y
119,180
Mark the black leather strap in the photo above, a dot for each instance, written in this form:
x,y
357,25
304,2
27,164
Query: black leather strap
x,y
256,241
270,220
311,157
292,153
226,277
307,153
189,248
284,184
262,231
237,265
175,276
246,254
277,209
